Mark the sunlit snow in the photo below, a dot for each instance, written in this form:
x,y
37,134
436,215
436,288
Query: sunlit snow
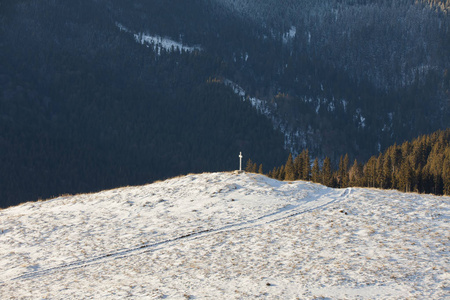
x,y
227,236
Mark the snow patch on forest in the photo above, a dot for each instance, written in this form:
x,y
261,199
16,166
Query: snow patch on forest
x,y
359,118
261,106
158,43
290,35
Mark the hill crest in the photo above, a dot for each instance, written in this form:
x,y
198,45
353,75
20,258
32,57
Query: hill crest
x,y
227,235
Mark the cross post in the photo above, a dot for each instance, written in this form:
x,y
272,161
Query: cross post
x,y
240,161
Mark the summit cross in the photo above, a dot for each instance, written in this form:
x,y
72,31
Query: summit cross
x,y
240,161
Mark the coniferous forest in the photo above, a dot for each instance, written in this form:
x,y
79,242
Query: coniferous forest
x,y
422,166
98,94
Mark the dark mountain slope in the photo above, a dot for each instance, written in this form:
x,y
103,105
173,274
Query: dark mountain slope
x,y
388,60
84,107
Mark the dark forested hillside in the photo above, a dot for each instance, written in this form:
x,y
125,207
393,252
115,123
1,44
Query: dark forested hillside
x,y
84,107
97,94
374,72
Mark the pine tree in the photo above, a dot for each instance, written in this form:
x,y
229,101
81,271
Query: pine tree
x,y
327,173
298,166
406,176
418,179
251,167
427,181
346,179
438,184
254,168
289,169
420,153
281,173
396,158
386,175
356,174
274,173
342,173
306,173
446,174
379,171
315,171
260,170
370,172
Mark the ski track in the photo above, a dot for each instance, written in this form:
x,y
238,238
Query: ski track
x,y
319,199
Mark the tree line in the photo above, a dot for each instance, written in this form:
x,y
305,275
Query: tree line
x,y
421,166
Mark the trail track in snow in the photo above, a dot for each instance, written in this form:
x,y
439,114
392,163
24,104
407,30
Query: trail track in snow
x,y
317,200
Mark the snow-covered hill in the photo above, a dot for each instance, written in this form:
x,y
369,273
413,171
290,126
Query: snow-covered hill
x,y
228,236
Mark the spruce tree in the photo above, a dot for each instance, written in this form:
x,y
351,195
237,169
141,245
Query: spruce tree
x,y
251,167
418,179
396,158
446,175
274,173
281,173
260,170
346,179
342,173
379,171
327,173
289,169
306,173
315,171
386,176
254,168
370,172
298,166
406,176
355,174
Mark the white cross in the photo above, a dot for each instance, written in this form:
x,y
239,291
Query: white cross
x,y
240,161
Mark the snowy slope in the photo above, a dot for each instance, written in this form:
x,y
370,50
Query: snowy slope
x,y
228,236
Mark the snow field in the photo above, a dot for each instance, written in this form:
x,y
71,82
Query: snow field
x,y
228,236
